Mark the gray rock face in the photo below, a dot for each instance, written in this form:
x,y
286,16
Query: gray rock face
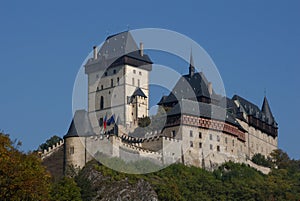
x,y
122,190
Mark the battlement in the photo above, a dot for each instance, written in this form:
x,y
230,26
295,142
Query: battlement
x,y
48,152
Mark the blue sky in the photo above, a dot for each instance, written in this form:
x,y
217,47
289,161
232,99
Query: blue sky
x,y
254,44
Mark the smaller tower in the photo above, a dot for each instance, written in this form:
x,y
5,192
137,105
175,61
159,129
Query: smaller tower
x,y
139,105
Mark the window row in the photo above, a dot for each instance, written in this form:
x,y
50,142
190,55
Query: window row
x,y
134,72
200,146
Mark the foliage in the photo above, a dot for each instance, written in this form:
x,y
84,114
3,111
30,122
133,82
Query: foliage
x,y
230,181
260,159
50,142
64,190
144,122
86,189
22,177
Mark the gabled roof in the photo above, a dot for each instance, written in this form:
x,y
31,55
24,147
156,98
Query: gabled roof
x,y
80,125
204,110
251,109
189,87
139,92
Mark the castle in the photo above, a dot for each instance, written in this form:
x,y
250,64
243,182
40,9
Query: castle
x,y
200,128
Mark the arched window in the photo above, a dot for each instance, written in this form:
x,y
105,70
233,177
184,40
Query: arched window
x,y
101,103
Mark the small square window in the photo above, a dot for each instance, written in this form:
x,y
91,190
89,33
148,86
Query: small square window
x,y
115,71
140,73
134,71
105,74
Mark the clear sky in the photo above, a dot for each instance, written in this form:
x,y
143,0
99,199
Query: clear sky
x,y
254,44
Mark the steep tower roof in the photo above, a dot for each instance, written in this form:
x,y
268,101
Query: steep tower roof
x,y
80,125
191,67
139,92
267,110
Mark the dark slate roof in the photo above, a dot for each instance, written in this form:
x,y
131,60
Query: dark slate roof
x,y
139,92
204,110
267,111
190,87
118,45
253,110
80,125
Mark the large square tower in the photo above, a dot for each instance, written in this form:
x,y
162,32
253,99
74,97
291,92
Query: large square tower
x,y
118,82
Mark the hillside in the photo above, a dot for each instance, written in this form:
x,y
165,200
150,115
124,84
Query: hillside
x,y
178,182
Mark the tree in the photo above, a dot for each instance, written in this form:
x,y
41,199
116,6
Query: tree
x,y
22,176
65,189
281,159
260,159
50,142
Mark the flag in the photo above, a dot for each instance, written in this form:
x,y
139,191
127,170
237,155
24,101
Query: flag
x,y
104,122
111,120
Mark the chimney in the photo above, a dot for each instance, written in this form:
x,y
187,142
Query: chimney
x,y
141,49
95,52
210,88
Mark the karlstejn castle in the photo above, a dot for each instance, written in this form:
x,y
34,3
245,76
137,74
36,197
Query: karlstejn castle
x,y
197,126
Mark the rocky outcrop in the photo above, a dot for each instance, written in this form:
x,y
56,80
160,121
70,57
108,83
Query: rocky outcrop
x,y
118,190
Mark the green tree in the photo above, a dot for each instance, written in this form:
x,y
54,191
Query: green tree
x,y
65,189
281,159
50,142
260,159
22,176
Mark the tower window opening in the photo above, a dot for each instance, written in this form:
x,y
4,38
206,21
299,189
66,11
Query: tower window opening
x,y
101,102
115,71
111,83
71,151
118,81
191,144
132,81
173,133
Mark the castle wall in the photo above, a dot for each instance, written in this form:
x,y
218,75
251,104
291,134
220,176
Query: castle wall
x,y
52,159
258,142
206,147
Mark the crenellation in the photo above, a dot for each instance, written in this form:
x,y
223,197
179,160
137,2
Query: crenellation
x,y
121,89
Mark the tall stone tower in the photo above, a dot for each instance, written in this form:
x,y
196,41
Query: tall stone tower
x,y
118,77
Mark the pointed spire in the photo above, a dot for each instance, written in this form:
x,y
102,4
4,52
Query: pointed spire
x,y
267,111
192,67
